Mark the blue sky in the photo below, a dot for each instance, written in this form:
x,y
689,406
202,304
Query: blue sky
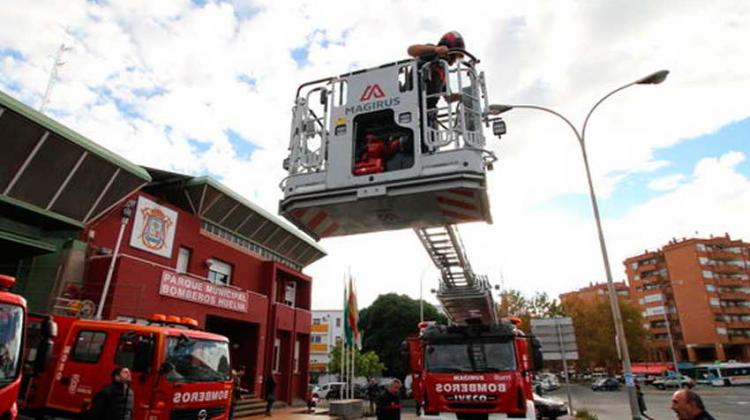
x,y
633,189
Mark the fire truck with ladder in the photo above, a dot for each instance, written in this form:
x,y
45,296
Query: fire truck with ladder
x,y
178,371
376,150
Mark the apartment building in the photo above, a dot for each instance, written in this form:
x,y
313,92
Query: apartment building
x,y
699,291
327,329
597,290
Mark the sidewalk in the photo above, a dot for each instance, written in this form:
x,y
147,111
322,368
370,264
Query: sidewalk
x,y
300,413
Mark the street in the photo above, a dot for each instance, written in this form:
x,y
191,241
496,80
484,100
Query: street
x,y
722,403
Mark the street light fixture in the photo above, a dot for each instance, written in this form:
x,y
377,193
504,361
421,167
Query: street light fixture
x,y
126,213
651,79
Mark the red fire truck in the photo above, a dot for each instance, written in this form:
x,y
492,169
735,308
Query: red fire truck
x,y
378,149
179,372
473,369
12,319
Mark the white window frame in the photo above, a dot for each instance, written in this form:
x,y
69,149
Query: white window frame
x,y
183,259
277,355
219,268
296,355
290,293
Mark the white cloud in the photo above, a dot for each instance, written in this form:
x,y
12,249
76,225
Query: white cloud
x,y
666,183
562,54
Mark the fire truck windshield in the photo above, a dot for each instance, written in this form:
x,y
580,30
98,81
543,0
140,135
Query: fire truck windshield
x,y
11,332
197,360
470,357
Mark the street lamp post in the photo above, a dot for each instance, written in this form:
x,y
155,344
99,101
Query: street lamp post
x,y
652,79
669,336
125,215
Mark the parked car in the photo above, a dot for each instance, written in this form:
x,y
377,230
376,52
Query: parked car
x,y
549,381
674,382
549,408
322,391
605,384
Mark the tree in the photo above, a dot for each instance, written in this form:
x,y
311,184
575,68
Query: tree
x,y
365,364
514,303
595,331
541,306
387,322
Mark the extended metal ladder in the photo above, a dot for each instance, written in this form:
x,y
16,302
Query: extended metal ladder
x,y
464,294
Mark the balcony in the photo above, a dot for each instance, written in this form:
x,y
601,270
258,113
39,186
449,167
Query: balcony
x,y
302,321
319,348
733,295
319,328
739,339
654,278
723,255
727,268
733,309
729,281
646,267
738,324
658,330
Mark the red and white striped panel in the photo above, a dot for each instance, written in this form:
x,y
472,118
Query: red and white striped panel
x,y
460,205
316,221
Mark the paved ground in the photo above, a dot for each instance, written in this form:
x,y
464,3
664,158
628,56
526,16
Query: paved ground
x,y
722,403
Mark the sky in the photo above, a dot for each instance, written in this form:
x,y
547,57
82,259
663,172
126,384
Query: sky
x,y
206,87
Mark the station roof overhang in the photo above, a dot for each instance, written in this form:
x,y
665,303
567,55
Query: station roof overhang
x,y
213,202
53,176
17,246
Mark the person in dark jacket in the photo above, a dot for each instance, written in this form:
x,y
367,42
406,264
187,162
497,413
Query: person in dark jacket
x,y
437,78
641,402
270,388
389,402
115,401
688,405
237,389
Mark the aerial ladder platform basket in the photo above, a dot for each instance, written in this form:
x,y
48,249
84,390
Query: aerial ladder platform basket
x,y
367,154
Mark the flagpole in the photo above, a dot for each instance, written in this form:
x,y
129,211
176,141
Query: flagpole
x,y
345,361
354,367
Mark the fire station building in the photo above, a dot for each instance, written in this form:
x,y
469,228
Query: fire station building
x,y
192,247
75,219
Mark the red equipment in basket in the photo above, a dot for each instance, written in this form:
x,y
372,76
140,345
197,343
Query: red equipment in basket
x,y
376,153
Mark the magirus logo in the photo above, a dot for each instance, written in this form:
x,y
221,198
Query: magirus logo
x,y
372,91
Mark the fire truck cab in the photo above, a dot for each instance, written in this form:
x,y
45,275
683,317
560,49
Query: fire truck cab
x,y
367,153
12,320
178,372
473,370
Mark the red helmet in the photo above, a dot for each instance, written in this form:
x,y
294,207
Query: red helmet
x,y
452,40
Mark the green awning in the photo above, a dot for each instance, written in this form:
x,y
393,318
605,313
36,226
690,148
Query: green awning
x,y
21,246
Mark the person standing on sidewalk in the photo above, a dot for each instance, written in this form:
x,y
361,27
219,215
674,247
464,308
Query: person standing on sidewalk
x,y
372,394
641,402
270,388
